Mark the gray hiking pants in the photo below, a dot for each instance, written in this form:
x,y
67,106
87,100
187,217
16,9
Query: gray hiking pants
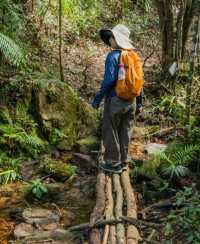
x,y
118,120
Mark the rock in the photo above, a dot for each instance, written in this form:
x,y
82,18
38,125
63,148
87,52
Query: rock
x,y
40,216
51,226
23,230
55,187
4,201
28,170
63,116
153,148
57,168
68,218
88,144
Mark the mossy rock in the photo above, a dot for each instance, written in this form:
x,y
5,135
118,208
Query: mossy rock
x,y
86,145
63,116
57,169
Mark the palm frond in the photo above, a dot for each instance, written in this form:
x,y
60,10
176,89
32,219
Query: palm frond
x,y
11,51
175,171
185,154
174,163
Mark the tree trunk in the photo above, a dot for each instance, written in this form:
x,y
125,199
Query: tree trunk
x,y
60,41
192,67
175,50
166,19
179,31
191,9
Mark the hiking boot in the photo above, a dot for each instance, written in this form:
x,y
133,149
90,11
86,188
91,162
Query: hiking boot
x,y
111,167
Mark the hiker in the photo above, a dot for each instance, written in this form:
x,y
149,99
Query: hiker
x,y
120,101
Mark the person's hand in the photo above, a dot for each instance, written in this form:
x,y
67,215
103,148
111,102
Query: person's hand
x,y
95,105
138,110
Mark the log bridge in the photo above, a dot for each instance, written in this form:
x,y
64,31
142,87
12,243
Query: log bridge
x,y
114,199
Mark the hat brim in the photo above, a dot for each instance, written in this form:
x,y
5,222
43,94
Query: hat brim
x,y
122,41
105,35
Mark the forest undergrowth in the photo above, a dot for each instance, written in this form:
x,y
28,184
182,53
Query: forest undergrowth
x,y
49,134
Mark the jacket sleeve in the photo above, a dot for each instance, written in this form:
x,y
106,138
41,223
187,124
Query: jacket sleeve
x,y
110,78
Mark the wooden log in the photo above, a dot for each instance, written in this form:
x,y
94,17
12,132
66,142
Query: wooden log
x,y
95,235
111,237
132,232
120,230
106,234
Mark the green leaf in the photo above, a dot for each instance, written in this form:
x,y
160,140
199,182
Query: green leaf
x,y
11,51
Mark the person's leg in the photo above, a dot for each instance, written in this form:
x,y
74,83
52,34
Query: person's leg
x,y
110,136
125,132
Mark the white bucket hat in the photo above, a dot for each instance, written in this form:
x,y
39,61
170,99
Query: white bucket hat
x,y
121,34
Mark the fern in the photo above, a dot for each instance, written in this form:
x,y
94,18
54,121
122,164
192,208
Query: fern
x,y
5,115
174,164
11,51
8,176
31,140
145,4
17,137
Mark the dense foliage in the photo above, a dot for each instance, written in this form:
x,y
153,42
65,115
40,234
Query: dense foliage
x,y
50,54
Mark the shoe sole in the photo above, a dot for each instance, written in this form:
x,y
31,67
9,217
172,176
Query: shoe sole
x,y
111,171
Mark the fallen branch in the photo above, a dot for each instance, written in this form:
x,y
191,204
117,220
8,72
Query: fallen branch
x,y
161,204
122,219
139,223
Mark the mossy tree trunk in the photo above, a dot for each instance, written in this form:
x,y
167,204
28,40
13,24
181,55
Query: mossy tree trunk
x,y
192,69
60,41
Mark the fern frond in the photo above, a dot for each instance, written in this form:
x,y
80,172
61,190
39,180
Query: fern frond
x,y
11,51
32,140
8,130
6,116
184,155
8,176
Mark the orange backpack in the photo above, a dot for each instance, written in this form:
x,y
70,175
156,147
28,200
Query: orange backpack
x,y
130,77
